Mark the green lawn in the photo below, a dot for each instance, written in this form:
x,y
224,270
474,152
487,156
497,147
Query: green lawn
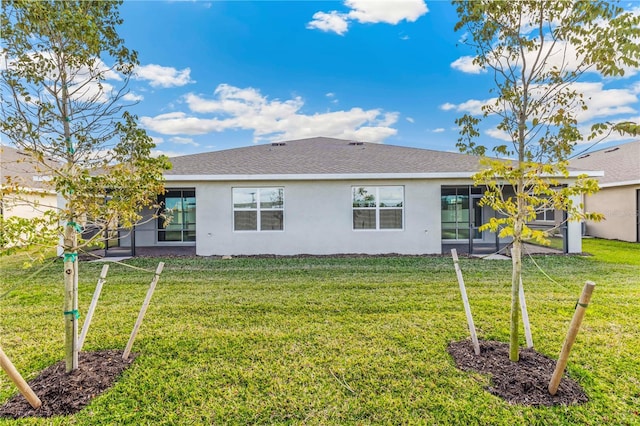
x,y
330,340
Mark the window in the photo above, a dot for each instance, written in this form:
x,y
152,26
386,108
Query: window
x,y
258,209
454,206
178,220
546,215
378,207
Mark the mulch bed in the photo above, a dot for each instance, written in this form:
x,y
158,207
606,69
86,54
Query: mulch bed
x,y
62,393
524,382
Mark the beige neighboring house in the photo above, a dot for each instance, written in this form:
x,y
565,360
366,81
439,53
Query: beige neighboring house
x,y
619,195
34,198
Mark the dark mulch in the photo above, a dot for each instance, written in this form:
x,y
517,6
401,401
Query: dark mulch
x,y
524,382
63,393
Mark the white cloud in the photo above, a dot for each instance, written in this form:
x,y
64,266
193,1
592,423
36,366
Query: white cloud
x,y
603,102
410,120
98,66
438,130
499,134
390,12
183,141
87,83
600,102
472,106
234,108
465,64
614,136
132,97
368,12
157,140
333,98
327,22
159,76
564,56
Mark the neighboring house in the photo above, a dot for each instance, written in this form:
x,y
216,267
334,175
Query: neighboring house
x,y
619,195
34,198
324,196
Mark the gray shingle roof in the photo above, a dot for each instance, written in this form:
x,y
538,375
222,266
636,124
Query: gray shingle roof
x,y
20,168
320,156
620,163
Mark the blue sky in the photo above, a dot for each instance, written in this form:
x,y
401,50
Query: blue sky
x,y
226,74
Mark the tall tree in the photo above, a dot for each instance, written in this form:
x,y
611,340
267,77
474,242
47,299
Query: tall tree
x,y
538,51
60,106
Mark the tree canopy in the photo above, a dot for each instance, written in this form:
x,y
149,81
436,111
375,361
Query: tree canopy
x,y
58,108
538,51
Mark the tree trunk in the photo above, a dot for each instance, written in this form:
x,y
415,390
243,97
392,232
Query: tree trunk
x,y
516,275
70,298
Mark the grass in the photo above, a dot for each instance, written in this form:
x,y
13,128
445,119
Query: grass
x,y
330,340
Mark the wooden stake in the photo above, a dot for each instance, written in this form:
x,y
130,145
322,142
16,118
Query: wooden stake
x,y
525,317
523,309
465,301
143,310
92,306
23,387
578,315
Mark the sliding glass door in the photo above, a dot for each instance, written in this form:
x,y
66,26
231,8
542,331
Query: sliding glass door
x,y
177,222
461,213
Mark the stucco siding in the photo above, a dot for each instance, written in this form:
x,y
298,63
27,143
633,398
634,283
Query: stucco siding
x,y
29,206
618,204
317,220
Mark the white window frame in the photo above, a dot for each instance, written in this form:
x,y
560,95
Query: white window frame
x,y
258,209
544,212
377,208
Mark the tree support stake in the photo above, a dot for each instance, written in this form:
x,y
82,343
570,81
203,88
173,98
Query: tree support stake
x,y
465,301
92,306
578,315
23,387
143,310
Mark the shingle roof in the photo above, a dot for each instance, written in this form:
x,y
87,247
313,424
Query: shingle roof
x,y
620,163
318,156
20,168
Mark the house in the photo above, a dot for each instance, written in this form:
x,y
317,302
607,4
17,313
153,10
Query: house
x,y
619,195
324,196
17,169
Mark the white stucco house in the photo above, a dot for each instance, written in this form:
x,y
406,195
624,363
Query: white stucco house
x,y
619,195
324,196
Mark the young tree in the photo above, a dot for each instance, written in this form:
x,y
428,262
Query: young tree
x,y
60,107
538,51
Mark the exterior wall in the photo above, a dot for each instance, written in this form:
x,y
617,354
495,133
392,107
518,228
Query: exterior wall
x,y
619,206
30,206
146,233
317,220
574,232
